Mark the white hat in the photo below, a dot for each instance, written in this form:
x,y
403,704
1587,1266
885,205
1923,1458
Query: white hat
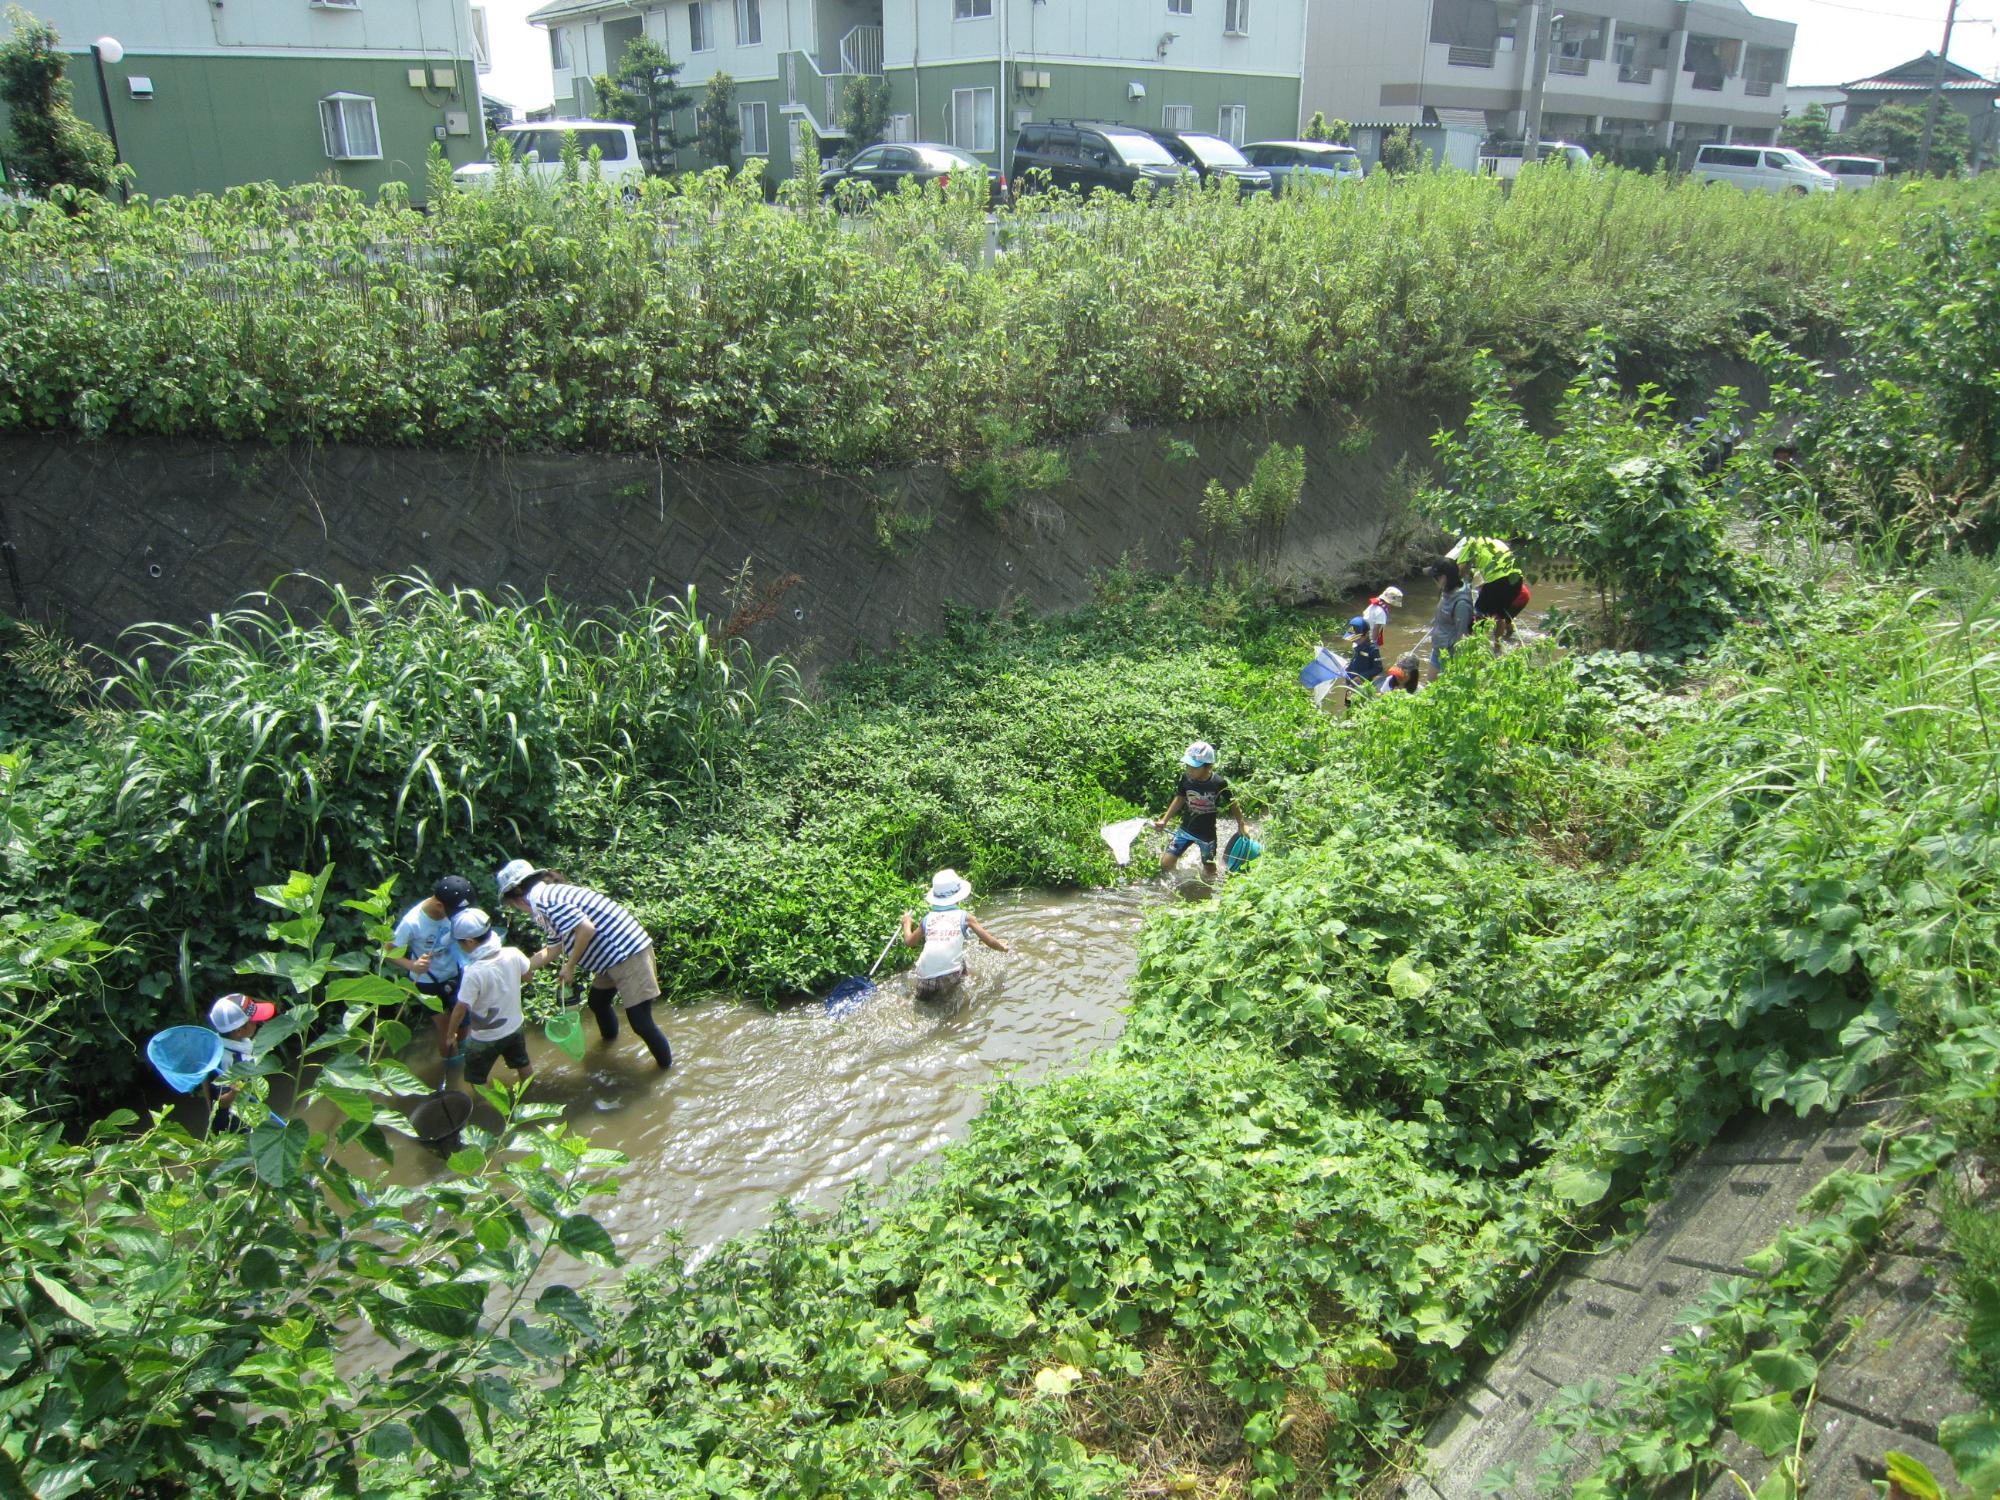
x,y
471,923
948,888
1200,753
1392,596
232,1012
512,874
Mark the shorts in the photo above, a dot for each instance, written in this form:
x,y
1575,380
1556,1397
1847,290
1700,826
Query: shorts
x,y
1500,598
634,978
1183,841
480,1056
444,990
940,984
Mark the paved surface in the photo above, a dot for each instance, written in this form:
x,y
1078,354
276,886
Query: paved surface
x,y
1609,1315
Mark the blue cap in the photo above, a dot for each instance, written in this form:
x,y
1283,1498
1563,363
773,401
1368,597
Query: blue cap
x,y
1357,623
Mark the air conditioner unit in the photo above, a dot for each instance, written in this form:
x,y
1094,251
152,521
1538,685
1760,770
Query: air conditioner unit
x,y
142,88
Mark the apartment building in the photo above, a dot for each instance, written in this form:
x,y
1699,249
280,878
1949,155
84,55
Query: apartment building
x,y
207,96
967,72
1642,75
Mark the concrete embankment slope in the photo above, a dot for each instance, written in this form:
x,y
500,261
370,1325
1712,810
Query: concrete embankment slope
x,y
1607,1317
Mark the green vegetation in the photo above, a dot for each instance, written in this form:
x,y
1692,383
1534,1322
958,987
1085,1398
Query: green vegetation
x,y
47,147
700,320
645,92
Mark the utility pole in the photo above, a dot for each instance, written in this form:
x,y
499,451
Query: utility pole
x,y
1937,92
1546,22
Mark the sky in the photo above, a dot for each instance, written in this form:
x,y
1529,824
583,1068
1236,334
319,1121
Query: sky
x,y
1838,40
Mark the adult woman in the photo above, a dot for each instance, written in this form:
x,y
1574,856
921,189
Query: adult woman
x,y
1453,621
593,933
1503,592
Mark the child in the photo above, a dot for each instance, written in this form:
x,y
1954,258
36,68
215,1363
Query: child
x,y
1365,665
942,935
237,1018
488,1008
1377,613
1200,797
424,948
1405,676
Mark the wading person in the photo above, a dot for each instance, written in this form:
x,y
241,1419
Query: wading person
x,y
1377,614
486,1018
1364,665
1453,621
236,1019
942,934
1503,592
593,933
422,947
1200,796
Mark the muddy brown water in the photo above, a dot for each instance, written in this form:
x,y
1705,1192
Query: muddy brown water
x,y
1420,601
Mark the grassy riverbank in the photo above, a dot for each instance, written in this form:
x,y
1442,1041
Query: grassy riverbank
x,y
704,321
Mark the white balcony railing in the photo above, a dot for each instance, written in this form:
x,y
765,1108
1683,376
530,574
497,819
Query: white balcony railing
x,y
1758,88
1470,57
1638,73
816,91
1575,67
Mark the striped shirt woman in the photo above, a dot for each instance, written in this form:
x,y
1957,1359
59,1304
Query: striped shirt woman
x,y
595,935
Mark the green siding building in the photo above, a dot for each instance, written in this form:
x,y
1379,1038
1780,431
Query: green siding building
x,y
207,97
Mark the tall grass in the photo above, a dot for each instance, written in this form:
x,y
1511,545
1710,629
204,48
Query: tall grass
x,y
704,320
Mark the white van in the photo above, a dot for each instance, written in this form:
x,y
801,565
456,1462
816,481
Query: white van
x,y
1504,160
1761,169
537,146
1853,173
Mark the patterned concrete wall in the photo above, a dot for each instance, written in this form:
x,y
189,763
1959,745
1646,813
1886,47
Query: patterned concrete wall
x,y
1606,1318
100,536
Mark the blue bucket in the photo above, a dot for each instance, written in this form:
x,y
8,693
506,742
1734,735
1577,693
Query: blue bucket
x,y
1242,849
185,1055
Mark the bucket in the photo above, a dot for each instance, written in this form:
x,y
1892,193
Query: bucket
x,y
565,1029
1242,849
185,1055
436,1121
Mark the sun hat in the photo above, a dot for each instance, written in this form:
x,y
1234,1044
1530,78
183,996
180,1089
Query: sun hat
x,y
453,893
514,872
948,888
471,923
233,1012
1200,753
1392,596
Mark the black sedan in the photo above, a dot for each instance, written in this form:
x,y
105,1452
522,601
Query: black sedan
x,y
885,168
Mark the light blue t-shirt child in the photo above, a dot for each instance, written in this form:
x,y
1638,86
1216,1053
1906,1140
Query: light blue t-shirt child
x,y
420,933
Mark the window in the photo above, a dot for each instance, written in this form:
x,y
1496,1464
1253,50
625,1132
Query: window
x,y
347,125
749,23
1232,122
558,48
1180,7
700,39
547,144
1177,117
971,10
753,123
972,119
1236,17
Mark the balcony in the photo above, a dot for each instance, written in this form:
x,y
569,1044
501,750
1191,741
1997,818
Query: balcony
x,y
1573,67
1470,57
1640,74
1758,88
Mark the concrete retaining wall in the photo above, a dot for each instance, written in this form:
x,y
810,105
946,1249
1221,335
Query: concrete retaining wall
x,y
100,536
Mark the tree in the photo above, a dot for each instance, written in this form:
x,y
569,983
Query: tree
x,y
1895,132
48,146
1334,133
864,111
1400,152
644,93
1808,132
716,132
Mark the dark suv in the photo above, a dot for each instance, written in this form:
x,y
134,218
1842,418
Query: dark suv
x,y
1083,155
1210,156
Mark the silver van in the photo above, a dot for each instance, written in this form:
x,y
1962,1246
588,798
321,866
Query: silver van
x,y
1853,173
1761,169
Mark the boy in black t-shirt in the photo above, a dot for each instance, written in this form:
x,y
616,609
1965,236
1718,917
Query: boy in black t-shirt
x,y
1201,795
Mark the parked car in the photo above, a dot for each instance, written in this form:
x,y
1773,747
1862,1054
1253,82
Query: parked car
x,y
887,167
1760,169
1297,164
538,147
1211,158
1084,155
1851,173
1505,159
